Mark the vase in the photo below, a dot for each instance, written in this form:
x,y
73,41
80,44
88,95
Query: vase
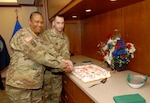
x,y
120,68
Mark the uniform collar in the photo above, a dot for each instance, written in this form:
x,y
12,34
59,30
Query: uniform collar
x,y
61,35
32,33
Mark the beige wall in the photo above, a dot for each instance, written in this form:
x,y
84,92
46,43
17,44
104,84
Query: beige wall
x,y
8,20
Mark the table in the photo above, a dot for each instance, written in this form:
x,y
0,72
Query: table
x,y
115,85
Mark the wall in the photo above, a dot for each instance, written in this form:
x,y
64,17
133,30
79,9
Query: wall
x,y
8,20
133,23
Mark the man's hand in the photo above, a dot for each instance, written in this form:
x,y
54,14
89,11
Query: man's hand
x,y
69,66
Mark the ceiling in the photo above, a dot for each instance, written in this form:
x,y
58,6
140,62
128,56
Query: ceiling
x,y
97,7
20,2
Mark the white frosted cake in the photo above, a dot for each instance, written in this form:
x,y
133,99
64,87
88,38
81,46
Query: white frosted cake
x,y
90,72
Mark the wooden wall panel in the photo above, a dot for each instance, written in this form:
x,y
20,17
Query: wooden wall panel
x,y
97,28
54,6
136,24
133,23
73,30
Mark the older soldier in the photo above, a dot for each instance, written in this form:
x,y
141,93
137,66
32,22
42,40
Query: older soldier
x,y
60,42
24,78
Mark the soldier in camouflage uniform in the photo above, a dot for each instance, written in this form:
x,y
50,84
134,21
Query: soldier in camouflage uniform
x,y
24,77
55,36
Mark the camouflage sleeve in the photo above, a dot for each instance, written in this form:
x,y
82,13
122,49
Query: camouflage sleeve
x,y
36,51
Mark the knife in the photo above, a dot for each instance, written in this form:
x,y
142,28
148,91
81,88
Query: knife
x,y
102,81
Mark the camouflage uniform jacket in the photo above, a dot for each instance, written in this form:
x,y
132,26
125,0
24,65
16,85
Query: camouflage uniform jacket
x,y
60,44
28,60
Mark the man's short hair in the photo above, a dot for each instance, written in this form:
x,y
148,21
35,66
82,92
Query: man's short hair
x,y
35,12
58,15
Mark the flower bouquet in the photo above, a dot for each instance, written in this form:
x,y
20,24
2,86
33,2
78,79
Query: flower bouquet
x,y
116,51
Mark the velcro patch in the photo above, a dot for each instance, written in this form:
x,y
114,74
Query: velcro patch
x,y
29,38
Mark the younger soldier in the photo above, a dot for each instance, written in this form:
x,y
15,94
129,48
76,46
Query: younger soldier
x,y
53,77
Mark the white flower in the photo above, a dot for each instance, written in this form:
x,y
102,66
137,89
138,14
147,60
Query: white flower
x,y
105,47
108,58
112,49
132,49
110,41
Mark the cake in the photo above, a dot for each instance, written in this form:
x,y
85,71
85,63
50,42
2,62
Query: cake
x,y
90,72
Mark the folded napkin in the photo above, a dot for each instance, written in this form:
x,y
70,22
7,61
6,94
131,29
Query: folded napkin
x,y
130,98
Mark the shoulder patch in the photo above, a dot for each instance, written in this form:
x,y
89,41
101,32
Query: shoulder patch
x,y
28,38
